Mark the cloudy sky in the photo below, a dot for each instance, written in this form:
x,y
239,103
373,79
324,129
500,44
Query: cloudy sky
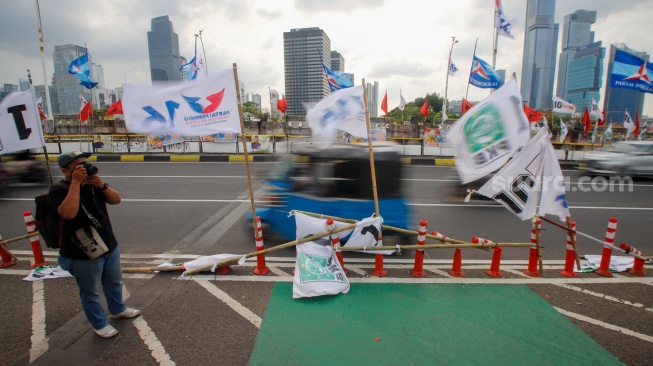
x,y
401,44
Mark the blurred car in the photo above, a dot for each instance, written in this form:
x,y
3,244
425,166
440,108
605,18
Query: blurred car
x,y
626,158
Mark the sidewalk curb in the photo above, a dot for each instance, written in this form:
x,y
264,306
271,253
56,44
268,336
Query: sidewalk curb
x,y
239,158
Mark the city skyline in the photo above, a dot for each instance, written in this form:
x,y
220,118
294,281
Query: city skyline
x,y
402,48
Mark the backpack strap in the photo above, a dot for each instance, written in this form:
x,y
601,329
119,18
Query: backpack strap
x,y
65,185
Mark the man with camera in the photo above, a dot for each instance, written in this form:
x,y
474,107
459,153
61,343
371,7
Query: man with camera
x,y
88,248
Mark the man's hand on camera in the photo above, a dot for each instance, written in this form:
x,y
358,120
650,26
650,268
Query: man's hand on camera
x,y
95,181
79,174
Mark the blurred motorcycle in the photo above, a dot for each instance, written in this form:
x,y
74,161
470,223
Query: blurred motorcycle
x,y
23,168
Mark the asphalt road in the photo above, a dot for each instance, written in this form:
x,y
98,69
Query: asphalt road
x,y
172,212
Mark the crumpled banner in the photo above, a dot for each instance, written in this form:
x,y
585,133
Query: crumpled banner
x,y
617,263
47,272
212,260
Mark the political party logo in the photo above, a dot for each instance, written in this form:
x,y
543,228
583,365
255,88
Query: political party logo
x,y
485,136
205,108
214,101
314,268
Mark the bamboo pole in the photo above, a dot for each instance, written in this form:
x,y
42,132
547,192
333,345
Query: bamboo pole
x,y
7,241
392,228
371,152
537,243
243,138
4,249
433,246
573,243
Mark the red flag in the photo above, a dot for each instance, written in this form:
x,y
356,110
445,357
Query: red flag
x,y
587,121
384,104
466,105
602,121
424,110
115,108
637,124
85,108
531,114
282,105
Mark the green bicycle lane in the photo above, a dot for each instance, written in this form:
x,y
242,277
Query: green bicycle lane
x,y
421,324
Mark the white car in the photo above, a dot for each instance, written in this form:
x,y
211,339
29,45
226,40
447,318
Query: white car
x,y
627,158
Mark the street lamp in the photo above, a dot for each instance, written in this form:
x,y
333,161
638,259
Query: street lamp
x,y
446,85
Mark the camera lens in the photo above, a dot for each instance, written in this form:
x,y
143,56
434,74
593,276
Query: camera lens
x,y
90,168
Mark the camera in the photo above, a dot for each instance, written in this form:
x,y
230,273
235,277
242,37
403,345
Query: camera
x,y
90,168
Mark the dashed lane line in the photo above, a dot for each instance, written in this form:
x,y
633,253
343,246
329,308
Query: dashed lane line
x,y
39,339
235,305
158,352
278,272
599,323
602,296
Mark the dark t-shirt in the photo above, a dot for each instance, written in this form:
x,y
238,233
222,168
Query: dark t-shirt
x,y
94,202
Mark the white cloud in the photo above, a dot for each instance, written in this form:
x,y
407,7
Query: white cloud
x,y
402,45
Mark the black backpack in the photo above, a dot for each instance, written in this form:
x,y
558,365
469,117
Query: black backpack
x,y
47,221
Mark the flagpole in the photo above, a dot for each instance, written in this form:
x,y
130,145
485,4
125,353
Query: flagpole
x,y
243,138
206,64
274,144
42,47
446,85
90,117
371,152
471,68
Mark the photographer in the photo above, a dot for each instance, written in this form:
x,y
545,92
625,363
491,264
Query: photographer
x,y
88,247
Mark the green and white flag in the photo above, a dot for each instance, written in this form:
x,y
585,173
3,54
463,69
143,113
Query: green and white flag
x,y
489,133
317,270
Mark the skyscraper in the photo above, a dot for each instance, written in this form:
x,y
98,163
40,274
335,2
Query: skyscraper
x,y
618,100
373,99
163,46
580,69
66,85
337,61
304,76
540,46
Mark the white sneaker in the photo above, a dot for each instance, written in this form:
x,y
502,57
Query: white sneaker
x,y
107,332
127,313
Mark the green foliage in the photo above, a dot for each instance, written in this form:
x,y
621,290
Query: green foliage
x,y
412,110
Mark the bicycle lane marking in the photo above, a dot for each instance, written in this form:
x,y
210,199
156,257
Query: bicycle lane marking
x,y
615,328
231,302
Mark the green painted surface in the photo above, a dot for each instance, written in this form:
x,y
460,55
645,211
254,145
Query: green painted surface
x,y
421,324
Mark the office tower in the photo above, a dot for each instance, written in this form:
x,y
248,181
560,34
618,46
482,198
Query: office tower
x,y
39,91
618,100
337,61
373,99
580,70
23,84
305,81
163,46
256,99
241,87
66,85
540,47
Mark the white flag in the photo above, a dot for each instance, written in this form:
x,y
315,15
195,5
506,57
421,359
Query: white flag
x,y
402,102
343,109
595,132
642,131
502,22
108,100
203,107
486,136
274,95
608,133
533,177
200,71
367,234
561,106
444,111
212,260
452,68
317,270
595,111
563,131
20,125
629,125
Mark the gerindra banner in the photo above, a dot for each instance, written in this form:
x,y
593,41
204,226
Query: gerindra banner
x,y
197,108
631,72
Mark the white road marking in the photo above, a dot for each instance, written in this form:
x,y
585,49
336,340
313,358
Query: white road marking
x,y
600,295
150,339
235,305
355,270
438,271
615,328
39,338
278,271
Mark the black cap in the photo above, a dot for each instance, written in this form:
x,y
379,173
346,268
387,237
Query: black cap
x,y
66,158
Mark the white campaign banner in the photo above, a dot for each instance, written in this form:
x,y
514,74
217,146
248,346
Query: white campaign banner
x,y
201,107
343,109
366,235
487,135
20,123
317,270
533,177
562,106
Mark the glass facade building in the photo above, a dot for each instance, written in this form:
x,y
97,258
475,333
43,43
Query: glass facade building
x,y
65,99
304,76
163,46
618,100
540,48
584,76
